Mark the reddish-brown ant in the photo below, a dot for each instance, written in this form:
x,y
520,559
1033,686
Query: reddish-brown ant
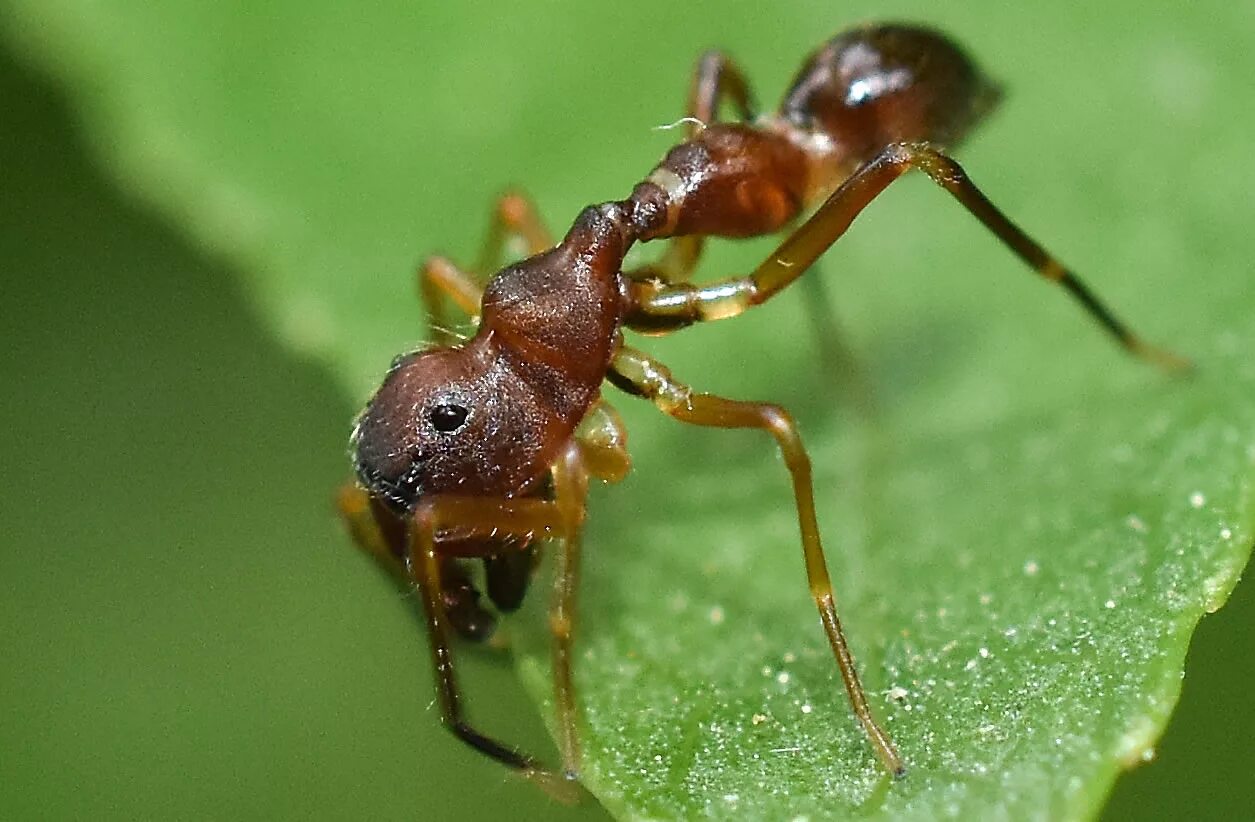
x,y
479,449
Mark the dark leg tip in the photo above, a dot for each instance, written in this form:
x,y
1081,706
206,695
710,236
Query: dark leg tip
x,y
1164,359
562,787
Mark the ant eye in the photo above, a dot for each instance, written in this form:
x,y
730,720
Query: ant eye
x,y
448,418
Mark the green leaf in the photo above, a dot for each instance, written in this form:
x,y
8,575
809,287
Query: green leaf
x,y
1025,531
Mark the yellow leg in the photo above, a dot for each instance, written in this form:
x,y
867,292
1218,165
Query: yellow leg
x,y
440,280
659,307
641,375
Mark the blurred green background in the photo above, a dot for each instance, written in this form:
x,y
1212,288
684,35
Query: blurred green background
x,y
184,631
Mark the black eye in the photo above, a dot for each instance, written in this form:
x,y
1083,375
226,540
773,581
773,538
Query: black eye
x,y
448,418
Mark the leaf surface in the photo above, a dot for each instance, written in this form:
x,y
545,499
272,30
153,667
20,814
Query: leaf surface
x,y
1025,530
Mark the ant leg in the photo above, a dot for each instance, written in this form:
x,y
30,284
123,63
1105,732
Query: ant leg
x,y
461,599
354,506
639,374
602,439
599,449
716,78
439,278
474,516
513,216
570,482
675,264
682,305
507,577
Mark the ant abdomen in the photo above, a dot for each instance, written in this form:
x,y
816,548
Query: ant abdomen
x,y
731,180
883,84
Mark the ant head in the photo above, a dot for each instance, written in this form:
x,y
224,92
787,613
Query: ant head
x,y
446,421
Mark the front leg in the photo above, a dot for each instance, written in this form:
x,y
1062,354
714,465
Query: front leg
x,y
485,518
385,544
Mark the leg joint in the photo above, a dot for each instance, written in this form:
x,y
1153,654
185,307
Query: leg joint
x,y
560,626
781,425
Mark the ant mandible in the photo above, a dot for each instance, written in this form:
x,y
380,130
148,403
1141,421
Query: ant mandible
x,y
478,449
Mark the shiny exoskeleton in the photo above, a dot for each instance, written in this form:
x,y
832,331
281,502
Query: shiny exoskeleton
x,y
478,449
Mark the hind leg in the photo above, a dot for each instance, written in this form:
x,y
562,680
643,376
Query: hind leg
x,y
682,304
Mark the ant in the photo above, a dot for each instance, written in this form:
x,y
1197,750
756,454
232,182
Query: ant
x,y
479,449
